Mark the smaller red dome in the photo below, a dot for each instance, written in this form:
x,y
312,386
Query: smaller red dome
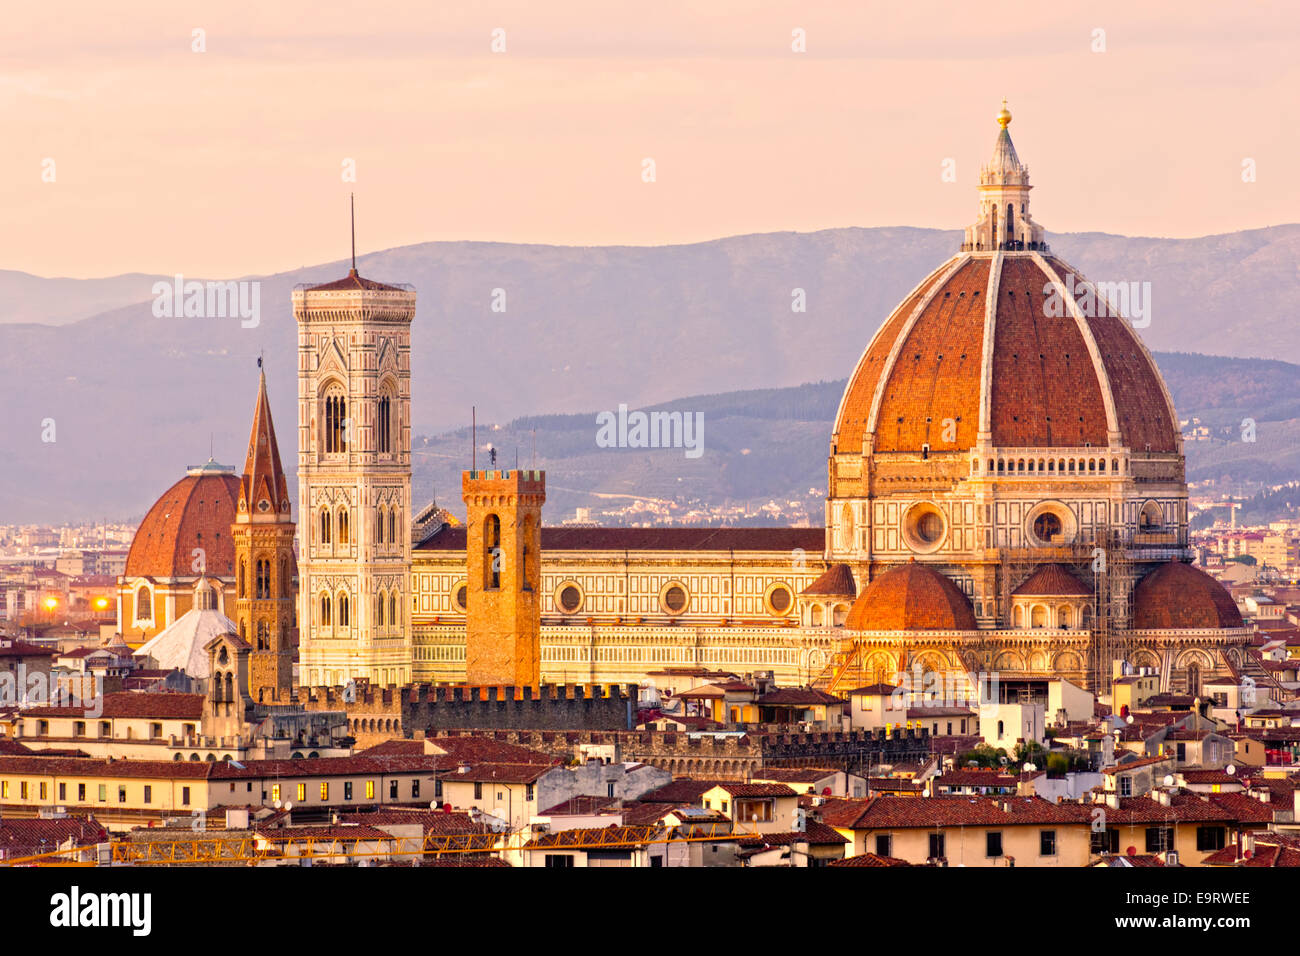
x,y
1177,596
911,597
196,512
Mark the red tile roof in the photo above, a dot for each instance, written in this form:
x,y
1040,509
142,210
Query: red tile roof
x,y
784,540
870,859
1178,596
353,281
29,837
887,811
911,597
127,704
744,790
835,581
1052,580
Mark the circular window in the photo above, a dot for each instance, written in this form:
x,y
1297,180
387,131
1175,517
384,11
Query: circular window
x,y
779,599
924,527
1050,525
569,597
1047,527
674,598
460,597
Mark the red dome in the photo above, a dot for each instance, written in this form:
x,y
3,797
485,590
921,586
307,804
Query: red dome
x,y
1046,388
911,597
1177,596
196,512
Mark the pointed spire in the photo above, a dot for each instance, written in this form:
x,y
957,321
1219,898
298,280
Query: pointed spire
x,y
1004,220
263,489
352,200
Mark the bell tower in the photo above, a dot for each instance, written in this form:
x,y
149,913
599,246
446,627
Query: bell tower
x,y
266,571
354,480
503,556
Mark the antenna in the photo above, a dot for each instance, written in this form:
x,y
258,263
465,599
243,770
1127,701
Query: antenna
x,y
352,201
473,438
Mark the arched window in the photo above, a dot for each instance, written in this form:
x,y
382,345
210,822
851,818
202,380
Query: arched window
x,y
343,526
392,609
1011,223
343,610
492,556
325,526
284,578
243,568
336,422
230,687
384,425
263,636
263,579
335,415
379,524
143,604
379,610
392,525
325,608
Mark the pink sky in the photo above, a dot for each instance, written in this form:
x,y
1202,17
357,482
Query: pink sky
x,y
228,162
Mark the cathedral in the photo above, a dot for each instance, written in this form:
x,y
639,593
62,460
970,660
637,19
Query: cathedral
x,y
1006,495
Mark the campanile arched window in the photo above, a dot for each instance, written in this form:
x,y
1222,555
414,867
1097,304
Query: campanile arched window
x,y
384,425
343,526
334,414
325,524
492,552
263,579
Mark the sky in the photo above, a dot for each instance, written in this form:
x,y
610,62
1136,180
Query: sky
x,y
134,143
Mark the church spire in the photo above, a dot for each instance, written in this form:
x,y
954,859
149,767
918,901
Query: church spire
x,y
263,489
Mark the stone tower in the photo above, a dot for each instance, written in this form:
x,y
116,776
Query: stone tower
x,y
503,550
354,480
265,568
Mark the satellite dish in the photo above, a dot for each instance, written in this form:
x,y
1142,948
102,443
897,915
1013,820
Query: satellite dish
x,y
433,804
1230,770
1169,780
1129,719
1030,768
277,804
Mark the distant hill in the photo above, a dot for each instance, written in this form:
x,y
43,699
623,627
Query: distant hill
x,y
135,398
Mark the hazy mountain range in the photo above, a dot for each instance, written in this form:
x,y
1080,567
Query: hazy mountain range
x,y
135,398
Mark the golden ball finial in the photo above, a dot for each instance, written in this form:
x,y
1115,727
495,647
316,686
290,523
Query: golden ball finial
x,y
1004,118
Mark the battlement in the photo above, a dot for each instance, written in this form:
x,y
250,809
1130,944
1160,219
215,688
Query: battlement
x,y
726,755
505,482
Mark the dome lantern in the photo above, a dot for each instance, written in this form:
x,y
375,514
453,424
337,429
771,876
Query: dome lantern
x,y
1004,222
